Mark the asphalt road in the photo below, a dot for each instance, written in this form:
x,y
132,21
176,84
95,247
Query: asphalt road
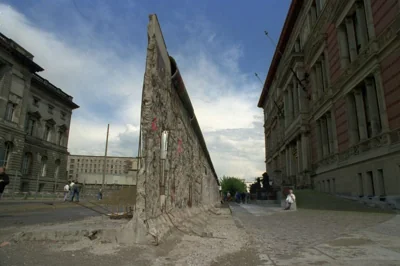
x,y
43,215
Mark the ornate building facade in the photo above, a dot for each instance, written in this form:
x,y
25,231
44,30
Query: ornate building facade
x,y
331,99
35,117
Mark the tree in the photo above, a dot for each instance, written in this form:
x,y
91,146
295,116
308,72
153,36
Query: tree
x,y
232,184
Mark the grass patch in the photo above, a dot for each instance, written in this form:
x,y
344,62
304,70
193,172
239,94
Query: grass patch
x,y
315,200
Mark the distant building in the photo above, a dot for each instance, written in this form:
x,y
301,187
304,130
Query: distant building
x,y
89,169
331,99
35,117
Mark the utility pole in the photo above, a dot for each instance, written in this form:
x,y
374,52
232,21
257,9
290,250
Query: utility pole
x,y
105,157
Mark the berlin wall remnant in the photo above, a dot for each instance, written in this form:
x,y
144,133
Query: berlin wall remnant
x,y
176,175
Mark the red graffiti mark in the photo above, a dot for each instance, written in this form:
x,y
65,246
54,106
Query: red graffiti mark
x,y
154,124
180,148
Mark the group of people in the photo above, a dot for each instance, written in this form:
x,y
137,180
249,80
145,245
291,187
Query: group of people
x,y
71,191
244,197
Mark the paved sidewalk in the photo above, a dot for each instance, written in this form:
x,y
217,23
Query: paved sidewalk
x,y
316,237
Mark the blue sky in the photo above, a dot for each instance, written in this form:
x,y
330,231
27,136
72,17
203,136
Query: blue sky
x,y
95,51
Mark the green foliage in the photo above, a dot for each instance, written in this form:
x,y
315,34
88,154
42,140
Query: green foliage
x,y
232,184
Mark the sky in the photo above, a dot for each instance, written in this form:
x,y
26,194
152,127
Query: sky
x,y
95,51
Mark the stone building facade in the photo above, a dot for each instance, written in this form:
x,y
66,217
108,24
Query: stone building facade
x,y
335,124
35,117
89,169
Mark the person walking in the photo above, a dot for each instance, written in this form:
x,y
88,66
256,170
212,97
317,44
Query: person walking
x,y
100,196
290,199
66,192
75,191
4,181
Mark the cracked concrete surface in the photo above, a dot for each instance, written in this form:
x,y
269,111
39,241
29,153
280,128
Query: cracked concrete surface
x,y
252,235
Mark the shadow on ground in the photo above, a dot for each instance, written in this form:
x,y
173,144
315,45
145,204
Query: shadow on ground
x,y
314,200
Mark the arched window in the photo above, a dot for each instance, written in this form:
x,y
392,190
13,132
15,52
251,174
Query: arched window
x,y
57,169
27,163
6,155
43,166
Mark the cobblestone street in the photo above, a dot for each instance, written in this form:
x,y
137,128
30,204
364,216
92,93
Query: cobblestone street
x,y
284,237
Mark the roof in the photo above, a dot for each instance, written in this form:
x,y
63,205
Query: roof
x,y
61,95
14,48
287,29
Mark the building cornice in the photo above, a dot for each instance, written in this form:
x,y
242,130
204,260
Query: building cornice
x,y
290,21
11,47
48,87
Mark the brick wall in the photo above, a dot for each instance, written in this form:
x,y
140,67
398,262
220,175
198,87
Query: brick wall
x,y
383,12
333,52
341,125
390,67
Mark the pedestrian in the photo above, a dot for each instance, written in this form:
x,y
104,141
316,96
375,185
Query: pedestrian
x,y
290,199
100,196
4,180
228,195
237,197
243,195
247,197
75,191
66,192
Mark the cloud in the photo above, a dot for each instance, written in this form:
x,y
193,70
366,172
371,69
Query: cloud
x,y
106,81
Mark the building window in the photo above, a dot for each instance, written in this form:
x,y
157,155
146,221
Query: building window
x,y
353,34
10,109
30,126
47,133
72,160
43,166
320,77
325,136
63,115
57,170
363,112
35,101
50,109
6,154
60,138
27,163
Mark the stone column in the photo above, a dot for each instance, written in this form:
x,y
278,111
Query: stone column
x,y
373,107
290,103
290,150
319,79
352,119
319,140
324,137
304,151
299,155
362,123
302,94
351,38
324,73
381,100
5,84
286,107
313,15
295,98
344,49
287,161
330,132
361,26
